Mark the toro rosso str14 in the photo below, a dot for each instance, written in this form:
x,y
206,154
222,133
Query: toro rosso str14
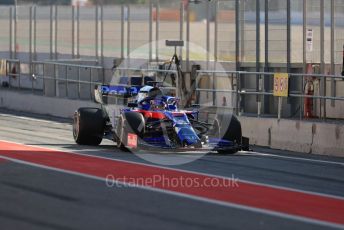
x,y
154,120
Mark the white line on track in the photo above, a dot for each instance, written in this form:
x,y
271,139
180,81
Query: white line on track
x,y
292,158
179,194
33,119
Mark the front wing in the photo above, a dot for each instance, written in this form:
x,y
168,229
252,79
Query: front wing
x,y
212,144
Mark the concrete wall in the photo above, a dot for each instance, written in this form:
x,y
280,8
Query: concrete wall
x,y
27,102
301,136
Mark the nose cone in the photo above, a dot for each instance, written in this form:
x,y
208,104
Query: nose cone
x,y
187,135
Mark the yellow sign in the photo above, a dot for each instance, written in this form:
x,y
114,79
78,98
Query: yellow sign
x,y
281,85
2,67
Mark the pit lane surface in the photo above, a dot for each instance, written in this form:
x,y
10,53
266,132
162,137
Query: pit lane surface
x,y
34,197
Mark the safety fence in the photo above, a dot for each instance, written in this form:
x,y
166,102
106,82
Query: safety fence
x,y
229,89
237,31
78,81
213,90
55,79
241,35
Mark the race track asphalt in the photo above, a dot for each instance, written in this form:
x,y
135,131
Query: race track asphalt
x,y
40,198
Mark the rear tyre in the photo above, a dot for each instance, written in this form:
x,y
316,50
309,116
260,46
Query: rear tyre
x,y
228,127
129,122
88,126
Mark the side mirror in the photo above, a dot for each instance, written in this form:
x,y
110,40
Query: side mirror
x,y
132,105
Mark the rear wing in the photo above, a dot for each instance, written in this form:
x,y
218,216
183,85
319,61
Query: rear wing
x,y
117,91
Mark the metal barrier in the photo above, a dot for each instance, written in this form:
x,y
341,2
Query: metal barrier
x,y
76,81
237,91
67,80
217,89
13,72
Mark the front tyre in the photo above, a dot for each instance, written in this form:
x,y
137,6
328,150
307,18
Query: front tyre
x,y
88,126
228,127
129,122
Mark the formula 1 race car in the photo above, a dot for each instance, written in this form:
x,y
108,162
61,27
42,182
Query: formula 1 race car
x,y
153,120
153,117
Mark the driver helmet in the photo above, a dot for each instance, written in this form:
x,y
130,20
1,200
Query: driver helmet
x,y
154,92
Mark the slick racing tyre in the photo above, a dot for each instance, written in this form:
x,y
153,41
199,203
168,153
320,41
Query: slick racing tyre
x,y
129,122
228,127
88,126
